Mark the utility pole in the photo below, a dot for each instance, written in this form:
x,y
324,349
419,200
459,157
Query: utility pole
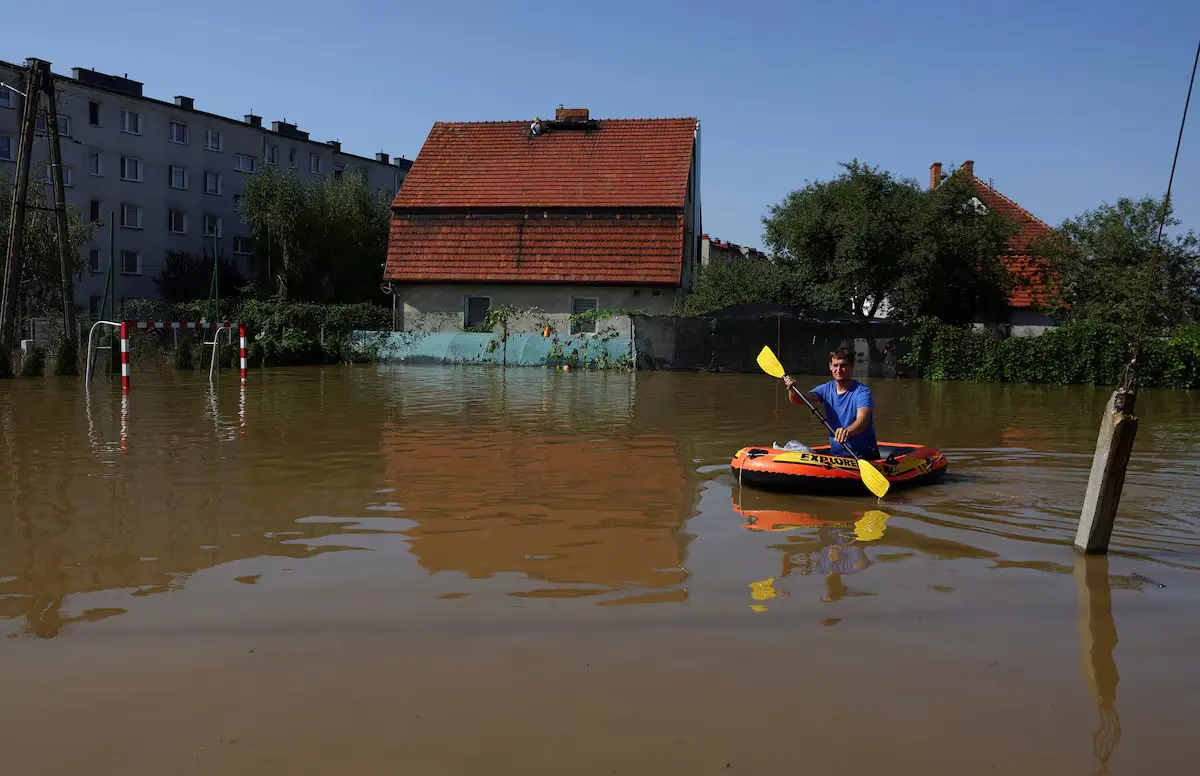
x,y
16,231
60,204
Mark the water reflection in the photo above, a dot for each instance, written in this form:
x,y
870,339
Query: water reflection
x,y
1097,644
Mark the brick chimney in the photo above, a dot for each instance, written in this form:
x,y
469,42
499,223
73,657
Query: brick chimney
x,y
968,167
935,174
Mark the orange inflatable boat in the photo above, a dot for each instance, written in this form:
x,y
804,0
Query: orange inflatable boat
x,y
819,472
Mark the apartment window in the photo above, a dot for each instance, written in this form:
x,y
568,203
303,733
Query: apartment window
x,y
177,221
314,163
95,258
476,310
212,183
212,225
66,176
177,177
94,303
292,158
131,262
243,246
213,140
64,124
584,304
131,169
131,122
94,113
237,203
94,210
131,216
179,132
95,163
6,98
243,163
8,148
272,154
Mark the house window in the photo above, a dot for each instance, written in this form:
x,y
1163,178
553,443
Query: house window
x,y
64,124
95,256
177,177
212,183
477,307
292,158
131,216
131,122
94,113
8,148
66,175
94,303
243,163
131,262
177,221
95,163
212,225
6,98
213,140
584,304
131,169
243,246
179,132
94,210
272,154
314,163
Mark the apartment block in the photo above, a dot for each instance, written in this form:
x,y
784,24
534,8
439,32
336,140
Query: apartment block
x,y
166,174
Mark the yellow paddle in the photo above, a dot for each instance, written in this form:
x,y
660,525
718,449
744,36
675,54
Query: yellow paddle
x,y
871,477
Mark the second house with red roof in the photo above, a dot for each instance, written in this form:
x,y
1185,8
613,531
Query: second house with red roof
x,y
567,215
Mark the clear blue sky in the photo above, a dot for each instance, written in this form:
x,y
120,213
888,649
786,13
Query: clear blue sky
x,y
1063,104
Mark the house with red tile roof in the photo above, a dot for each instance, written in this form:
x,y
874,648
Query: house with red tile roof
x,y
1018,256
568,215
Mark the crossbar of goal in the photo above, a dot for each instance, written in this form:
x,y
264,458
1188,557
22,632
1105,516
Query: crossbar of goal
x,y
217,326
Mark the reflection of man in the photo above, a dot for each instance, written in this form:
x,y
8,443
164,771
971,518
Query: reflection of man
x,y
841,555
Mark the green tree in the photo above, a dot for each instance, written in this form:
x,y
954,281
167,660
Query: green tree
x,y
40,292
1098,266
867,238
318,240
743,281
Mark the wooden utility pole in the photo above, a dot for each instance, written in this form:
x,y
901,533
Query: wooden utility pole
x,y
60,204
16,231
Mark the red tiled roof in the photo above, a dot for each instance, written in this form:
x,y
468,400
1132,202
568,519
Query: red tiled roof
x,y
622,163
627,249
1018,256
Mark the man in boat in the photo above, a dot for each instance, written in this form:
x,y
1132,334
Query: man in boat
x,y
847,405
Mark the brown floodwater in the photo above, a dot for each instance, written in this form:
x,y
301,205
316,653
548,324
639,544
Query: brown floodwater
x,y
458,570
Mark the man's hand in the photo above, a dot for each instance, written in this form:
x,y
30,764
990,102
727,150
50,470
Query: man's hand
x,y
841,435
788,382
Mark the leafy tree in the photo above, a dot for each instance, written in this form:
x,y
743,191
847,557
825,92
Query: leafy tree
x,y
1100,266
319,240
40,292
867,238
743,281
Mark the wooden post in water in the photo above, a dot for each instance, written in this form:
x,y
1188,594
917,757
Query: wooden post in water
x,y
1118,426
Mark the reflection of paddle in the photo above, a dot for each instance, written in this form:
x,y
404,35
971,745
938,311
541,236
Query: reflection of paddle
x,y
871,477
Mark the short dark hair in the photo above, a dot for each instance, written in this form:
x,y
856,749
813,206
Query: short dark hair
x,y
844,353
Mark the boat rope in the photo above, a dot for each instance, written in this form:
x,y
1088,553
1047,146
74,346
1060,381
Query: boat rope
x,y
1129,376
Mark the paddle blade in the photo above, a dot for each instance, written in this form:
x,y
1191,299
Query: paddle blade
x,y
873,478
870,526
768,362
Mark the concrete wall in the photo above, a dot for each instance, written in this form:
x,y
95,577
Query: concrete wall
x,y
155,152
442,306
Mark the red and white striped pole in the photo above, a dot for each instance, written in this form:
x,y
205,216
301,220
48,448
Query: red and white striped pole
x,y
242,349
124,357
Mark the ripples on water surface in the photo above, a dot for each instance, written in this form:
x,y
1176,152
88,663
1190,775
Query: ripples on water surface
x,y
478,536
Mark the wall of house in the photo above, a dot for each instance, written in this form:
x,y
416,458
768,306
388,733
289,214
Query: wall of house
x,y
442,306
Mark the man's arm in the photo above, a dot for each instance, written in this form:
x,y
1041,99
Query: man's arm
x,y
788,382
857,427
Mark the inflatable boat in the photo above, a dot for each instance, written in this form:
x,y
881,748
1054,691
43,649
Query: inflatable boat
x,y
816,471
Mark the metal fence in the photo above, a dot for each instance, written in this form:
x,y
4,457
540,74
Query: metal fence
x,y
731,343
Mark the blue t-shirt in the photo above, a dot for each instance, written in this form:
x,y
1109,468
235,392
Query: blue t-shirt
x,y
841,411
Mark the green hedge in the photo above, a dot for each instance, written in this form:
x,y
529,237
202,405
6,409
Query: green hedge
x,y
281,333
1088,353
